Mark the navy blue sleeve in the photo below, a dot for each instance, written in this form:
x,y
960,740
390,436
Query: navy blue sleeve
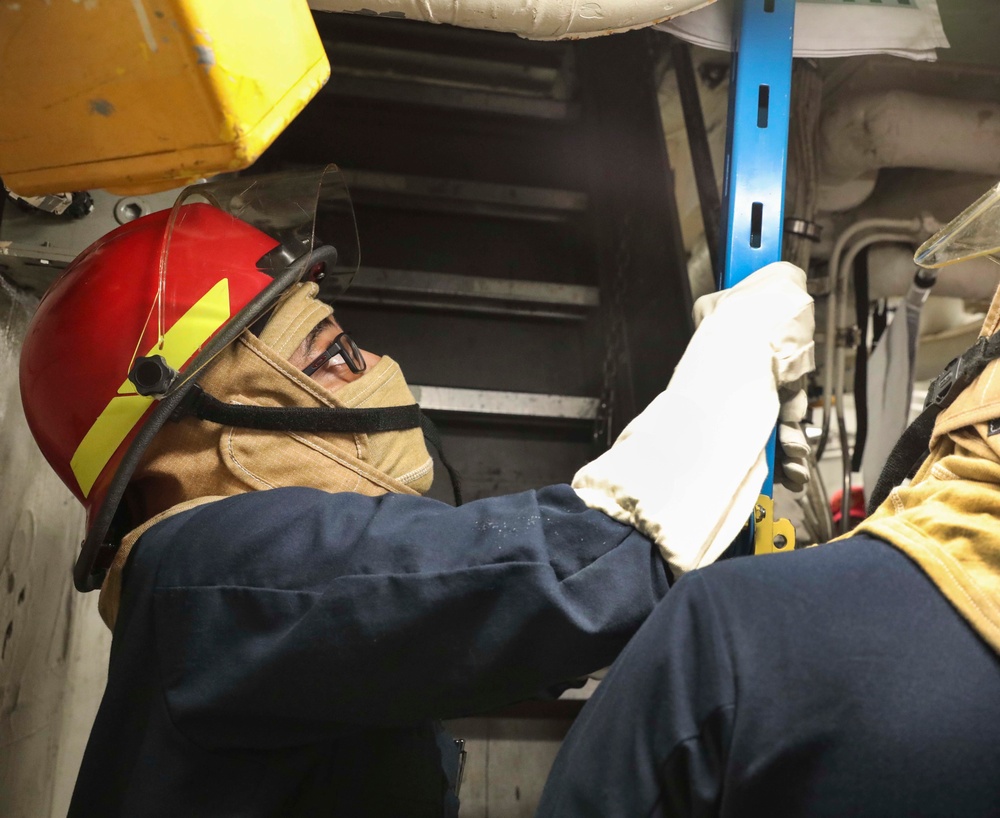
x,y
292,615
654,740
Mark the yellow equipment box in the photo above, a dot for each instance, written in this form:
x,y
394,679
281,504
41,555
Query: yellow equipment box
x,y
143,95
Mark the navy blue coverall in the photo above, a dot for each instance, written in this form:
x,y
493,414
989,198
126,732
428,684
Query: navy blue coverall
x,y
824,683
289,652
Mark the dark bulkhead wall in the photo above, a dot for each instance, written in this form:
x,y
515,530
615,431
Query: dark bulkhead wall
x,y
518,232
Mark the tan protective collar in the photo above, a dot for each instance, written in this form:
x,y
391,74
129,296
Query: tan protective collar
x,y
948,518
111,590
948,522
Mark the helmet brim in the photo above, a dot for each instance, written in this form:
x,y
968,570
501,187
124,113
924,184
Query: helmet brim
x,y
301,210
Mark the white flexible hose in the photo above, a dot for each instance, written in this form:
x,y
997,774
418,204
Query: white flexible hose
x,y
531,19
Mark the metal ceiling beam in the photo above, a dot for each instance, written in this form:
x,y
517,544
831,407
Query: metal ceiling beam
x,y
471,294
407,92
528,406
457,195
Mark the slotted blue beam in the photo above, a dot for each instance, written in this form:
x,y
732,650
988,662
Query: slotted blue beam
x,y
757,150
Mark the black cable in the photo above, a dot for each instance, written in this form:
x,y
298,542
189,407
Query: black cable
x,y
432,436
701,155
880,321
861,279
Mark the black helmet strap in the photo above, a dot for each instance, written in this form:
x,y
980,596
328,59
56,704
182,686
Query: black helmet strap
x,y
203,406
198,403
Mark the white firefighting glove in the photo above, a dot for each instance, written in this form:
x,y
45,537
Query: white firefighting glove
x,y
792,451
687,470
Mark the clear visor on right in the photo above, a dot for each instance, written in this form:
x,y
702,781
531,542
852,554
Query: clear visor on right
x,y
974,233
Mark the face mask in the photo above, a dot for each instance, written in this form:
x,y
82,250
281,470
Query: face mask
x,y
401,455
192,458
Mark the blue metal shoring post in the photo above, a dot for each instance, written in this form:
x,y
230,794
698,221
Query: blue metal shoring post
x,y
754,184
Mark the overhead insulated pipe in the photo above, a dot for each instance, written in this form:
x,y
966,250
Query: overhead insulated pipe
x,y
531,19
901,129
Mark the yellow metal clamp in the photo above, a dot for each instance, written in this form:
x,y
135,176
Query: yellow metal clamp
x,y
770,536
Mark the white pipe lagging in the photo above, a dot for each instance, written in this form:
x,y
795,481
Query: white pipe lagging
x,y
902,129
531,19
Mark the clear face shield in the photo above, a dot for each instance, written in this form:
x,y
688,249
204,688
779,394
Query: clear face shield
x,y
308,213
974,233
301,210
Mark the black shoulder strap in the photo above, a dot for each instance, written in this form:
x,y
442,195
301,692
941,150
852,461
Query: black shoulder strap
x,y
912,447
905,458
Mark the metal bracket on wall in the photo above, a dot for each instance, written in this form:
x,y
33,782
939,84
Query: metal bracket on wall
x,y
524,406
757,150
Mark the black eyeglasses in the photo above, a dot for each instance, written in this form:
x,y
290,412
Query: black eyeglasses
x,y
349,352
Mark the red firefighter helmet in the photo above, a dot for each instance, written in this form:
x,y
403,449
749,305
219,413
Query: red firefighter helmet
x,y
124,332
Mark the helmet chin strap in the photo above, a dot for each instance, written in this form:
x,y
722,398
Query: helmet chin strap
x,y
198,403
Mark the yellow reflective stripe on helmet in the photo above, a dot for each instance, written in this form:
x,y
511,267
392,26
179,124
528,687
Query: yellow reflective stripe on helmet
x,y
120,416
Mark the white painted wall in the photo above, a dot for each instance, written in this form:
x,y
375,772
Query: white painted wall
x,y
53,646
508,763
